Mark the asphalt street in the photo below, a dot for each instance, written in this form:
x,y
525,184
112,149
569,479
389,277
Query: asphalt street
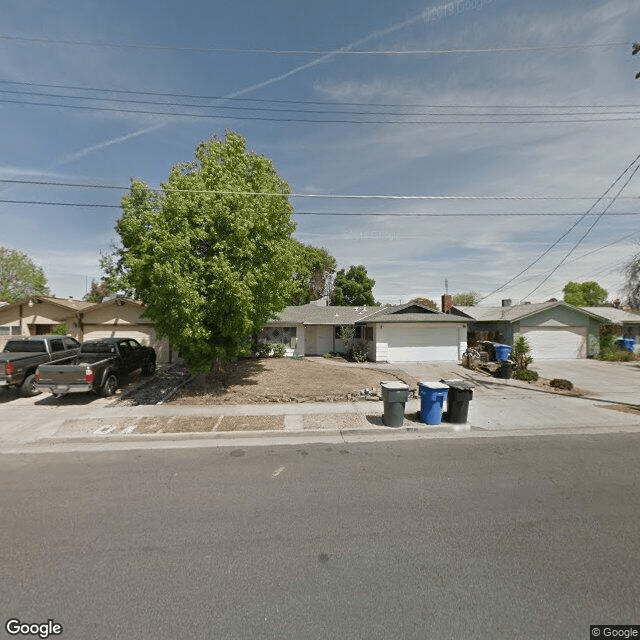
x,y
474,538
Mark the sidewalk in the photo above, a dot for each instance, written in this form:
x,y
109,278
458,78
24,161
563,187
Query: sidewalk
x,y
498,408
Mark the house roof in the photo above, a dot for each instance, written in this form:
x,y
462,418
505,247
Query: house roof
x,y
616,316
66,303
93,306
312,314
412,312
516,312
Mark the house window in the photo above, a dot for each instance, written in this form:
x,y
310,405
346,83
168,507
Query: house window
x,y
10,331
277,335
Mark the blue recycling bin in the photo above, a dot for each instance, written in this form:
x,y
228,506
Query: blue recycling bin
x,y
626,343
432,397
502,352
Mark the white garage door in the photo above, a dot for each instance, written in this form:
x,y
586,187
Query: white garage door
x,y
419,343
554,342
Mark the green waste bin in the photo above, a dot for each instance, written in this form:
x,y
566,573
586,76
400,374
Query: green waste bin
x,y
458,398
394,396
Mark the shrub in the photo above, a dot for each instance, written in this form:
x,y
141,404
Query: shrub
x,y
262,350
527,375
520,354
327,355
359,352
61,330
618,355
561,383
279,350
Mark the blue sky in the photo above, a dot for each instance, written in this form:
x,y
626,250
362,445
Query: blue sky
x,y
413,156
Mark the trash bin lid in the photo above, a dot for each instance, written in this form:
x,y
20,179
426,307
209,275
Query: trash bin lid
x,y
459,384
394,385
433,385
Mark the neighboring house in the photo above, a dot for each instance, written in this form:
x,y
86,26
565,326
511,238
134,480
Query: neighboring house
x,y
122,317
85,320
38,315
402,333
625,323
553,329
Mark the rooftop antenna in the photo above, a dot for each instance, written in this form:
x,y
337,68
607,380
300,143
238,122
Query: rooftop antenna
x,y
446,286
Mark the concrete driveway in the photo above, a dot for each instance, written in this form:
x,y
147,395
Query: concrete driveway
x,y
612,381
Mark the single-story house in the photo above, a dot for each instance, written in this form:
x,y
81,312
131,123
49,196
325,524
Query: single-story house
x,y
403,333
38,315
625,324
114,317
553,329
122,317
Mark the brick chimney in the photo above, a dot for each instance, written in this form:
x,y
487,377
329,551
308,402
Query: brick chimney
x,y
447,303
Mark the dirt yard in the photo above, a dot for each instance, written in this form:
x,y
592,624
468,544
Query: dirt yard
x,y
251,381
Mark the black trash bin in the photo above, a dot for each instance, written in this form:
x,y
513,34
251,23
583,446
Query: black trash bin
x,y
394,395
460,394
506,367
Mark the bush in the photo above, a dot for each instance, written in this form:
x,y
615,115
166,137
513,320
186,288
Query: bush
x,y
520,354
262,350
359,352
61,330
527,375
327,355
618,355
561,383
279,350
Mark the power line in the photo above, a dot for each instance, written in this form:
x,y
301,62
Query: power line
x,y
316,120
587,232
311,52
566,233
52,183
545,114
317,102
341,213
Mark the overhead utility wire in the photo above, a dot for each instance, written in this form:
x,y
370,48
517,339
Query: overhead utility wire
x,y
566,233
314,120
337,213
586,233
319,102
518,114
312,52
52,183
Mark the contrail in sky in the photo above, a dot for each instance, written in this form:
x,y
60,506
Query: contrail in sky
x,y
423,15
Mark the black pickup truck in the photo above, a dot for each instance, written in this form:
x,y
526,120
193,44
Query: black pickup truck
x,y
99,367
21,357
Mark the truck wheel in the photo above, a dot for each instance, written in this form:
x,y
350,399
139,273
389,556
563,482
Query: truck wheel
x,y
110,386
149,368
28,388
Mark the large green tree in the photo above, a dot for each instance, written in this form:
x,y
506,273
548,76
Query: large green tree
x,y
584,294
353,287
314,271
212,260
20,277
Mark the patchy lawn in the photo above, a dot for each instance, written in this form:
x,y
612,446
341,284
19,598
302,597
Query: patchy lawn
x,y
250,381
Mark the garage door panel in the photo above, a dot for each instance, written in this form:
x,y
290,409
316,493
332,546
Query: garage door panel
x,y
421,344
557,343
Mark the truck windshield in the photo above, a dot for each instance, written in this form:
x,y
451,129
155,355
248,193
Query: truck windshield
x,y
25,346
97,347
